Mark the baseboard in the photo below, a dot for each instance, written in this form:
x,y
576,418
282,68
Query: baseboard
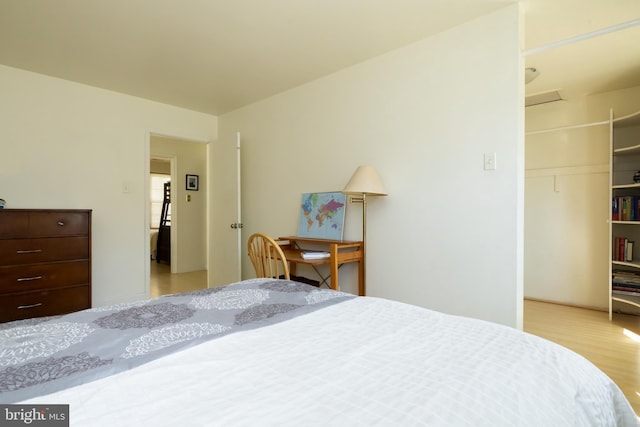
x,y
566,304
618,308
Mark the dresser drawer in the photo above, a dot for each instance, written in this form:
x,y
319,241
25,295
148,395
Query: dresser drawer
x,y
43,303
28,251
13,224
43,276
62,223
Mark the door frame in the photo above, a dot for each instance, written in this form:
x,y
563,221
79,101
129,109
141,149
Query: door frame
x,y
174,210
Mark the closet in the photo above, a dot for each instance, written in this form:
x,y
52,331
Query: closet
x,y
574,174
566,210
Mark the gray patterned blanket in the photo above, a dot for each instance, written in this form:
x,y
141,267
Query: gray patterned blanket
x,y
40,356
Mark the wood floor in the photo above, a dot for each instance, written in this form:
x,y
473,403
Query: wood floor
x,y
613,346
163,282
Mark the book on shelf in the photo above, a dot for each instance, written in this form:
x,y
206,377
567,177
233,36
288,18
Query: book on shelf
x,y
315,254
628,293
616,282
623,249
623,287
626,273
625,208
625,280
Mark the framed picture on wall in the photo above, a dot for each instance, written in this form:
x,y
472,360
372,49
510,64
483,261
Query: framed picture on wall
x,y
192,182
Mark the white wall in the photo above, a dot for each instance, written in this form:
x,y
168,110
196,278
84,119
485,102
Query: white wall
x,y
67,145
188,218
567,199
448,235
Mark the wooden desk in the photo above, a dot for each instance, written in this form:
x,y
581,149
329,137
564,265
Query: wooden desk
x,y
340,252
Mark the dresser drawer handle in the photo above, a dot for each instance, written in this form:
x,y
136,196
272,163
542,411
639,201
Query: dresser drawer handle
x,y
29,251
61,223
26,279
22,307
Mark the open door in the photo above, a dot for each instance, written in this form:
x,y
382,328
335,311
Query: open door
x,y
225,235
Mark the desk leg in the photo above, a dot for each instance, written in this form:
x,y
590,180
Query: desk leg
x,y
361,278
292,268
333,256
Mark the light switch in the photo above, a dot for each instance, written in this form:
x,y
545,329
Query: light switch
x,y
490,161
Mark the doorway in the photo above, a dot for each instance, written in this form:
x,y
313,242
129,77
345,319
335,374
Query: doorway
x,y
178,211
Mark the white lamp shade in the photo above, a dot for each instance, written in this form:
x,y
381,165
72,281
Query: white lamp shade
x,y
365,180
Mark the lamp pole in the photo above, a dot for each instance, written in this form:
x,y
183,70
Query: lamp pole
x,y
365,180
364,244
363,200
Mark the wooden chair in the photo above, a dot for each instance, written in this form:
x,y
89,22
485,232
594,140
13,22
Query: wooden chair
x,y
267,257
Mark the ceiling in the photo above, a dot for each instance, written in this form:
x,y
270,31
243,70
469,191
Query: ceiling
x,y
215,56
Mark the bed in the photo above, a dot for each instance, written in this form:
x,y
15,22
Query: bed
x,y
153,244
266,352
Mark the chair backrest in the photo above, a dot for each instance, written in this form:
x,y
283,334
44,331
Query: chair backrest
x,y
267,257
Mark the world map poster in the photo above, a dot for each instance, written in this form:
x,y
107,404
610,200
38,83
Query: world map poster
x,y
322,215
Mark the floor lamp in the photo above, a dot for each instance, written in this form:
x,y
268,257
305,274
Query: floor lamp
x,y
364,182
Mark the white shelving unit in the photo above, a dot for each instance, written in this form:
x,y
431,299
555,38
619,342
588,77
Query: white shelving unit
x,y
624,163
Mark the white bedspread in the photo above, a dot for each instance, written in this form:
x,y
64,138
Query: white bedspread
x,y
364,362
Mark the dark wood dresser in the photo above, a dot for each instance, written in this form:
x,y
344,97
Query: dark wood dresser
x,y
45,262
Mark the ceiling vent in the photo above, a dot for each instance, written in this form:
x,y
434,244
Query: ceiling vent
x,y
542,98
